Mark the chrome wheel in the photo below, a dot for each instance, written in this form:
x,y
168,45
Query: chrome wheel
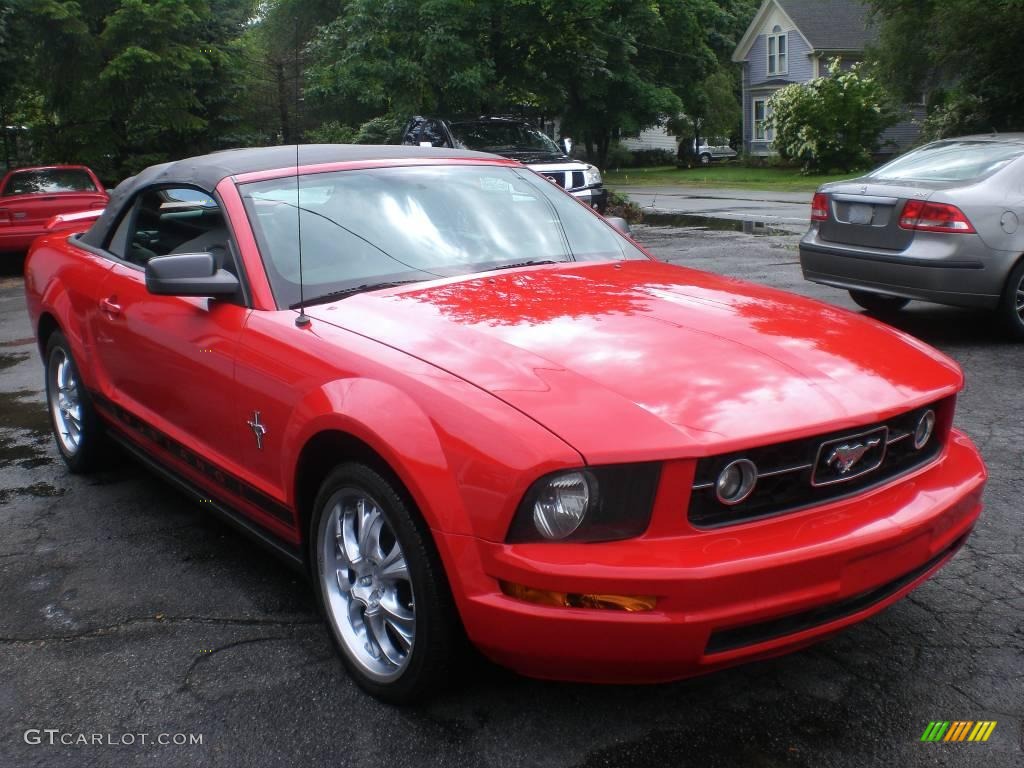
x,y
65,401
366,584
1019,300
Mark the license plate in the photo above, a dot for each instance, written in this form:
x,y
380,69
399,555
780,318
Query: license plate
x,y
861,213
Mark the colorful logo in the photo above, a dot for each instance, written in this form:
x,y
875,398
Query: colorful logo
x,y
958,730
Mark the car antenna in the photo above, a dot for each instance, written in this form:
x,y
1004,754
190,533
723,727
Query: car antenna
x,y
303,319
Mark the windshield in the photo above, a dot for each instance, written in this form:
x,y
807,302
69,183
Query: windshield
x,y
950,161
498,137
49,181
382,225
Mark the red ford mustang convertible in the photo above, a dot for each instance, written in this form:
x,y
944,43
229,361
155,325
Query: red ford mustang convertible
x,y
469,406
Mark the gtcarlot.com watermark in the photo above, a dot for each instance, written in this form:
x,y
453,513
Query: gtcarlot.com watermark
x,y
55,737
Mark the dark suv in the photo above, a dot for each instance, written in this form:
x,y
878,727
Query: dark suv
x,y
515,139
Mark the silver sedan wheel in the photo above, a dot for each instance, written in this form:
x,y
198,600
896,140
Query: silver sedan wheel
x,y
65,401
366,584
1019,300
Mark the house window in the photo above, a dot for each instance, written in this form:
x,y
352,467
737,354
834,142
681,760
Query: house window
x,y
761,131
778,52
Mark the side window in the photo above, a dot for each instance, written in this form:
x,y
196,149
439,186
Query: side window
x,y
167,221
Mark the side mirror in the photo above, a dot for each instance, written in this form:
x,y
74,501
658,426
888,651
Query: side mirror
x,y
188,274
567,145
619,224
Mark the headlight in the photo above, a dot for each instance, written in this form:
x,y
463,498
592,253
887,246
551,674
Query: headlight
x,y
736,481
925,428
591,504
592,176
561,505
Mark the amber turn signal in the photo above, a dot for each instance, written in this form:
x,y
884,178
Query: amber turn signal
x,y
631,603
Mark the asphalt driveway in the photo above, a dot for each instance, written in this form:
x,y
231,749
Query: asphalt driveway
x,y
126,610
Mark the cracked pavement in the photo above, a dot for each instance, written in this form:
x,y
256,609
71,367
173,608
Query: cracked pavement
x,y
128,609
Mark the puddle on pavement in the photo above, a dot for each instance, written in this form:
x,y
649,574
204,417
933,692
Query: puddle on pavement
x,y
691,221
39,490
12,359
24,411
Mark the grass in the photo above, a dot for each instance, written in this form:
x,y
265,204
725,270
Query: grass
x,y
722,176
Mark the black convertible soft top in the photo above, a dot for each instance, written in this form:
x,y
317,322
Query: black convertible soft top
x,y
207,171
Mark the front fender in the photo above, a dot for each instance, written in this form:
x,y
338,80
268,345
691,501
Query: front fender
x,y
464,456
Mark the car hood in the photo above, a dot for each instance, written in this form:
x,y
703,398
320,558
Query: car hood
x,y
529,156
649,360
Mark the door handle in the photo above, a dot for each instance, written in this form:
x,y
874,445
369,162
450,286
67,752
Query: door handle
x,y
109,306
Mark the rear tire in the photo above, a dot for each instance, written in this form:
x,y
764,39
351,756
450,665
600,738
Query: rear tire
x,y
1011,305
705,159
878,303
77,429
381,586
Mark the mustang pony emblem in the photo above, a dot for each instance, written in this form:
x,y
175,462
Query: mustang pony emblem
x,y
258,429
844,457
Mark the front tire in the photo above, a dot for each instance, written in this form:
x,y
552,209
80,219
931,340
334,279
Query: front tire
x,y
77,429
381,586
878,303
1011,305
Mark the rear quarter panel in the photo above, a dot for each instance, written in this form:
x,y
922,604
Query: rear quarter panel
x,y
62,281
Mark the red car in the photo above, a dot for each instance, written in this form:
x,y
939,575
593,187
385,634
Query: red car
x,y
467,404
30,198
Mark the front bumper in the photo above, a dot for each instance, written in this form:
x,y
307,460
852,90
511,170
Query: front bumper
x,y
725,596
961,271
595,197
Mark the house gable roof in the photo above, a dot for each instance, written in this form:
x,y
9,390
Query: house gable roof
x,y
826,25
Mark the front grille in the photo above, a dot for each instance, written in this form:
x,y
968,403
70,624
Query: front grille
x,y
566,179
752,634
794,475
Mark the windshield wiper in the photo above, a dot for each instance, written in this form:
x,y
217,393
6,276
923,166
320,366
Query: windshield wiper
x,y
344,293
532,263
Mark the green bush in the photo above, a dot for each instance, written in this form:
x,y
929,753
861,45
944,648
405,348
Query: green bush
x,y
620,205
331,132
650,158
386,129
831,122
618,157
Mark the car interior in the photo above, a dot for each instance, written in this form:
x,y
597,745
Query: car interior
x,y
164,223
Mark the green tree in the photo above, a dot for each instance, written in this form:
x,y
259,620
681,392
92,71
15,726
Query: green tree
x,y
831,122
604,66
960,54
135,81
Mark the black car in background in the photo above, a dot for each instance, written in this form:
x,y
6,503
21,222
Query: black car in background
x,y
515,139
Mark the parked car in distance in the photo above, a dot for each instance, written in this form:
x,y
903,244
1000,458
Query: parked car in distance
x,y
942,223
515,139
712,150
474,408
31,197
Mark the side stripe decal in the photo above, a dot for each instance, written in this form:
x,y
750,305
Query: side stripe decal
x,y
232,485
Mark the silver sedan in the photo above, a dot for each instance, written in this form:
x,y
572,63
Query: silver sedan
x,y
942,223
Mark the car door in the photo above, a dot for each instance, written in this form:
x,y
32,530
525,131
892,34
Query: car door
x,y
168,361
